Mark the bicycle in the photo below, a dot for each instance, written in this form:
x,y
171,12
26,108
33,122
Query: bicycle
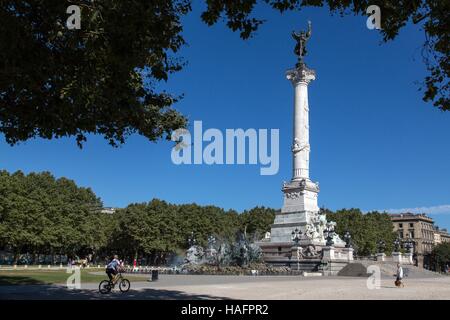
x,y
106,286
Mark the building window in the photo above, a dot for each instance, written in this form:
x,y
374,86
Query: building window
x,y
400,225
411,225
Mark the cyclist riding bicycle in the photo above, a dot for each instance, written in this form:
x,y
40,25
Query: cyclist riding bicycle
x,y
113,268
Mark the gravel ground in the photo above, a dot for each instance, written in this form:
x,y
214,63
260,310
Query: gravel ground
x,y
242,287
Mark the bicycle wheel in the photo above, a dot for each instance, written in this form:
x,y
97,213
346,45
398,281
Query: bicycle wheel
x,y
104,287
124,285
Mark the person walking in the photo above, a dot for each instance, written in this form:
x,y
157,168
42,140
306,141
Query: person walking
x,y
398,280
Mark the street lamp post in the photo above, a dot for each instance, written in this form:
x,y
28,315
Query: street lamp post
x,y
381,246
211,241
296,237
408,245
329,234
397,244
210,252
191,240
347,239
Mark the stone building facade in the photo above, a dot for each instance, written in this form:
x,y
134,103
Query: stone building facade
x,y
418,228
441,236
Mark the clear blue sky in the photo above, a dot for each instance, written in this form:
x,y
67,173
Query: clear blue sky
x,y
375,144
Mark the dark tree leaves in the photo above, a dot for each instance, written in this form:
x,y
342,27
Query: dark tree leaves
x,y
101,79
432,15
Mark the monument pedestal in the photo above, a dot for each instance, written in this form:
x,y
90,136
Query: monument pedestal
x,y
348,253
335,259
328,254
408,258
397,257
381,257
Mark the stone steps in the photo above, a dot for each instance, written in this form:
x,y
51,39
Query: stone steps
x,y
389,269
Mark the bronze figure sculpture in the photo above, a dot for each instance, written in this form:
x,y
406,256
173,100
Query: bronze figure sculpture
x,y
301,39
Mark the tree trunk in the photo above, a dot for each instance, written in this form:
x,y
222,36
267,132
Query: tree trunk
x,y
16,257
34,257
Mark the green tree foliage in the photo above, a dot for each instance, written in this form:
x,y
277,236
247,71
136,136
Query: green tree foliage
x,y
206,221
440,256
145,229
104,78
156,228
100,79
257,221
366,229
43,215
39,213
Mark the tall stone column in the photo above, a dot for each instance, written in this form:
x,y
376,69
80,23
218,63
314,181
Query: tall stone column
x,y
300,78
300,213
300,209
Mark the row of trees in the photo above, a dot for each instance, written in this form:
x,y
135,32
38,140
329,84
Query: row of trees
x,y
367,230
440,257
41,215
157,228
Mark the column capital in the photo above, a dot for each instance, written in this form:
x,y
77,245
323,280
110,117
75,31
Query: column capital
x,y
301,74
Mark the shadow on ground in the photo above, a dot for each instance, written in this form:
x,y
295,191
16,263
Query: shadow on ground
x,y
52,292
18,280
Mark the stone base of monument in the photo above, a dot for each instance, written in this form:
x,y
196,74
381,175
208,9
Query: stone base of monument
x,y
381,256
408,258
312,274
283,254
307,257
334,259
332,268
397,257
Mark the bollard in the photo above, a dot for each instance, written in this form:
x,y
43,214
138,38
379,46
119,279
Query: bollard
x,y
98,267
49,266
40,266
15,266
60,265
154,275
26,267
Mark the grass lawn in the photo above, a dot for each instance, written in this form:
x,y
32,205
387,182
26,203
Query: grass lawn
x,y
24,277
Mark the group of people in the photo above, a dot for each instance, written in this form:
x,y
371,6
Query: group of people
x,y
83,263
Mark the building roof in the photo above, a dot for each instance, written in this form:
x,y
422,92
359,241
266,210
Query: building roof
x,y
410,216
109,210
